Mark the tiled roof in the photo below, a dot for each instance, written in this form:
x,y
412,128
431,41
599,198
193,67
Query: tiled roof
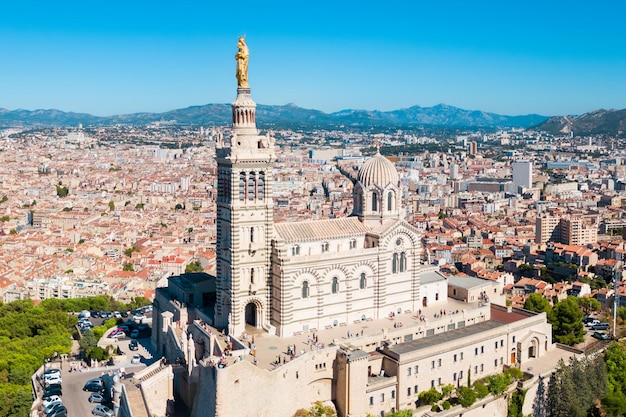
x,y
320,229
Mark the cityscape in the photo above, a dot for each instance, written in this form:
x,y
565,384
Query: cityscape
x,y
346,267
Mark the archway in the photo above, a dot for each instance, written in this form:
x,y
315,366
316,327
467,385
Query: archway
x,y
251,314
533,349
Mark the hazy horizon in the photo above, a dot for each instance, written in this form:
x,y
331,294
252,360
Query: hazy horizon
x,y
562,58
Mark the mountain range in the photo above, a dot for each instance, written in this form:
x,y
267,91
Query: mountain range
x,y
611,122
290,115
597,122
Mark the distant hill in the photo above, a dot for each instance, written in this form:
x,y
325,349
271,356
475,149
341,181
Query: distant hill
x,y
290,114
609,122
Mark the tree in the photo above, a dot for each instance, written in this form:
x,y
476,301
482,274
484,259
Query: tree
x,y
537,303
467,396
566,320
429,397
540,406
317,410
111,205
128,267
499,383
61,190
194,266
589,304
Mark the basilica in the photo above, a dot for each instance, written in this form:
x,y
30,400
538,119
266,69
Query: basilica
x,y
341,311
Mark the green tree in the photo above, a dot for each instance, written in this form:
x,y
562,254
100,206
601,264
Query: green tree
x,y
566,320
589,304
481,389
537,303
317,410
111,205
499,383
467,396
61,190
128,267
429,397
194,266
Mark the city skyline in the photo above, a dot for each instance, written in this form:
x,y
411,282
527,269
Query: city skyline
x,y
556,59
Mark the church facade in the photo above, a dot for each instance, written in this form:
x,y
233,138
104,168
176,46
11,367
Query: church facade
x,y
294,277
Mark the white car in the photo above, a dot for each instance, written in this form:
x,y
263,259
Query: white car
x,y
52,379
136,358
51,405
103,411
139,317
48,401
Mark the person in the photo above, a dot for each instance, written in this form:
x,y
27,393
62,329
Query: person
x,y
241,57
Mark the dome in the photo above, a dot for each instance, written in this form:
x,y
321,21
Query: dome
x,y
378,171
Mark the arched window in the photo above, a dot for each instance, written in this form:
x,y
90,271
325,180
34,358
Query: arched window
x,y
402,262
363,281
252,235
374,202
252,276
242,186
389,201
305,289
394,263
335,286
261,186
251,186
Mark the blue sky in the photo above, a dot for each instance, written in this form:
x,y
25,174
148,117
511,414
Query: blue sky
x,y
104,58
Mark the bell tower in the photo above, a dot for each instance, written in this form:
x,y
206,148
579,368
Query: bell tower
x,y
244,214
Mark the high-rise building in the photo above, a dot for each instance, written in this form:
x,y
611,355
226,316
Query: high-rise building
x,y
473,147
522,174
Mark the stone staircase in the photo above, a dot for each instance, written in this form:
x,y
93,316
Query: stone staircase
x,y
152,372
145,352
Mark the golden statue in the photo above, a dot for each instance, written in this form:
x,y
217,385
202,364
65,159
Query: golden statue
x,y
242,62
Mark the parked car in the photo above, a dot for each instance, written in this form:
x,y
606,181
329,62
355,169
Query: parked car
x,y
600,336
52,390
117,333
50,372
46,401
52,379
136,358
96,397
139,317
133,345
124,314
592,322
93,387
117,315
51,406
601,326
134,334
102,410
57,411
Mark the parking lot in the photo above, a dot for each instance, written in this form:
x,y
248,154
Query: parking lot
x,y
75,373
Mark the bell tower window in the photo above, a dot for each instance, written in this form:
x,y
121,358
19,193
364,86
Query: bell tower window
x,y
242,186
374,202
305,289
390,201
251,186
261,186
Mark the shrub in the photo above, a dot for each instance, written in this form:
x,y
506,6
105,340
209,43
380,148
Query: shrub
x,y
446,405
481,389
429,397
467,396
